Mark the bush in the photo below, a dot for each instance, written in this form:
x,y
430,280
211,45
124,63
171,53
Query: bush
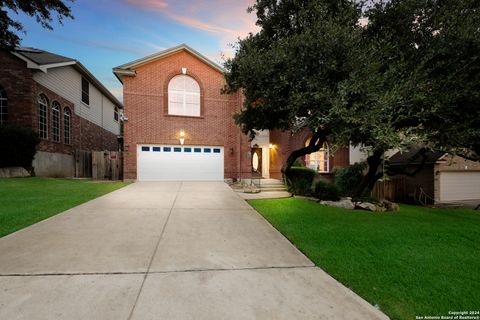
x,y
299,163
18,146
348,178
326,191
299,180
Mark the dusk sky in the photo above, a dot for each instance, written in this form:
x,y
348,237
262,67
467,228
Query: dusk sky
x,y
108,33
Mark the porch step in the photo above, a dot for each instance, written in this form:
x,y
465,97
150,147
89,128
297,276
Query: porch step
x,y
272,185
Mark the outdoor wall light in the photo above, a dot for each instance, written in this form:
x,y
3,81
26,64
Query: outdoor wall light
x,y
184,70
182,136
271,146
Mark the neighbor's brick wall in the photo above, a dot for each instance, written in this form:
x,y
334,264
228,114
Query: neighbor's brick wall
x,y
18,82
145,99
284,143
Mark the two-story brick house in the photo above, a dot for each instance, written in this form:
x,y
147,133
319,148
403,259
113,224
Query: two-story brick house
x,y
62,101
180,126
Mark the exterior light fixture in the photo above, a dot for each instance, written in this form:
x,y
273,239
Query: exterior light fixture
x,y
271,146
184,70
182,136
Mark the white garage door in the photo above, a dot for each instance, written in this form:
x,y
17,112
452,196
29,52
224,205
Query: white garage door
x,y
457,186
179,163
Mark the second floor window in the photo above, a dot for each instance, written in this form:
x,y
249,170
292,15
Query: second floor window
x,y
183,96
85,91
115,114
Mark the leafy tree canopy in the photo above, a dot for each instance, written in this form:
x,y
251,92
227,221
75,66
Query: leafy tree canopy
x,y
42,10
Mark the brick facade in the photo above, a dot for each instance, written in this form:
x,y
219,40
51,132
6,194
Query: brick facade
x,y
22,92
284,143
145,98
146,106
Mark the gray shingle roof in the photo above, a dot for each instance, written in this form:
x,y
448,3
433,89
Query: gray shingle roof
x,y
405,157
42,57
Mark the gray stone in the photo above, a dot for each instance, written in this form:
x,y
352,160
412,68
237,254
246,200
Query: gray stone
x,y
389,206
13,172
366,206
345,204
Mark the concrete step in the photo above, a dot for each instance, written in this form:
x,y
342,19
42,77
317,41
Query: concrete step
x,y
273,188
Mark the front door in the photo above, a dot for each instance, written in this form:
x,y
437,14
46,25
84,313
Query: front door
x,y
257,162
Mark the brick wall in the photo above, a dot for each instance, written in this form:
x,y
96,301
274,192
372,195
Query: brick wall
x,y
18,82
284,143
145,99
22,92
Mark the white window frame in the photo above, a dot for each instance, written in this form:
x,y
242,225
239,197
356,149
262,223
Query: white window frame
x,y
184,93
56,111
67,125
316,162
42,117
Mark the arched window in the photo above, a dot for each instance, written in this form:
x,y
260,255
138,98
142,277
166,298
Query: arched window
x,y
183,96
66,125
115,114
318,160
55,121
3,106
43,117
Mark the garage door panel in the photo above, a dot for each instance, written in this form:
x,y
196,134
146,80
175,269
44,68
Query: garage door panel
x,y
190,164
458,186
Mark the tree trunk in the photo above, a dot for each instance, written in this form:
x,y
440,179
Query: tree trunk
x,y
316,142
368,182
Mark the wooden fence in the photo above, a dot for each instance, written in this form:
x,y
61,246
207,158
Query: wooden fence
x,y
98,165
83,164
394,189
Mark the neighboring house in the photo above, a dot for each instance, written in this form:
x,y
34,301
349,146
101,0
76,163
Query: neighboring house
x,y
61,100
444,178
180,126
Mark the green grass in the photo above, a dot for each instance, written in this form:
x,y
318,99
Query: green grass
x,y
25,201
419,261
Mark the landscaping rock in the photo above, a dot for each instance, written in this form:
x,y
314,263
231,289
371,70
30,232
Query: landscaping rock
x,y
366,206
389,206
306,198
13,172
345,204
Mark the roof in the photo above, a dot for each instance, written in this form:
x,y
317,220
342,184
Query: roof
x,y
42,57
402,158
43,60
128,68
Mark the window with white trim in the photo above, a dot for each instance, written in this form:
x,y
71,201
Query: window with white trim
x,y
115,114
43,117
318,160
66,125
183,96
55,121
3,106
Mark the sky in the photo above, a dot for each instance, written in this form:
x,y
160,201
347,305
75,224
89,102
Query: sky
x,y
109,33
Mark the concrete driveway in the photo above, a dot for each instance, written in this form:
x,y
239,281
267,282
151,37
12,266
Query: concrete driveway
x,y
179,250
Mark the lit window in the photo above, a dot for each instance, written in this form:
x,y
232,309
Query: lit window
x,y
85,91
183,96
115,114
318,160
3,106
66,125
43,117
55,121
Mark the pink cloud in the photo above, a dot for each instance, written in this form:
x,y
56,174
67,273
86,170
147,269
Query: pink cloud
x,y
149,4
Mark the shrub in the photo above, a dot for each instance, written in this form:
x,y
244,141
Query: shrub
x,y
18,146
326,191
299,163
348,178
299,180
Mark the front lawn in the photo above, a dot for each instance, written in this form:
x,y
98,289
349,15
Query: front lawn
x,y
25,201
418,261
